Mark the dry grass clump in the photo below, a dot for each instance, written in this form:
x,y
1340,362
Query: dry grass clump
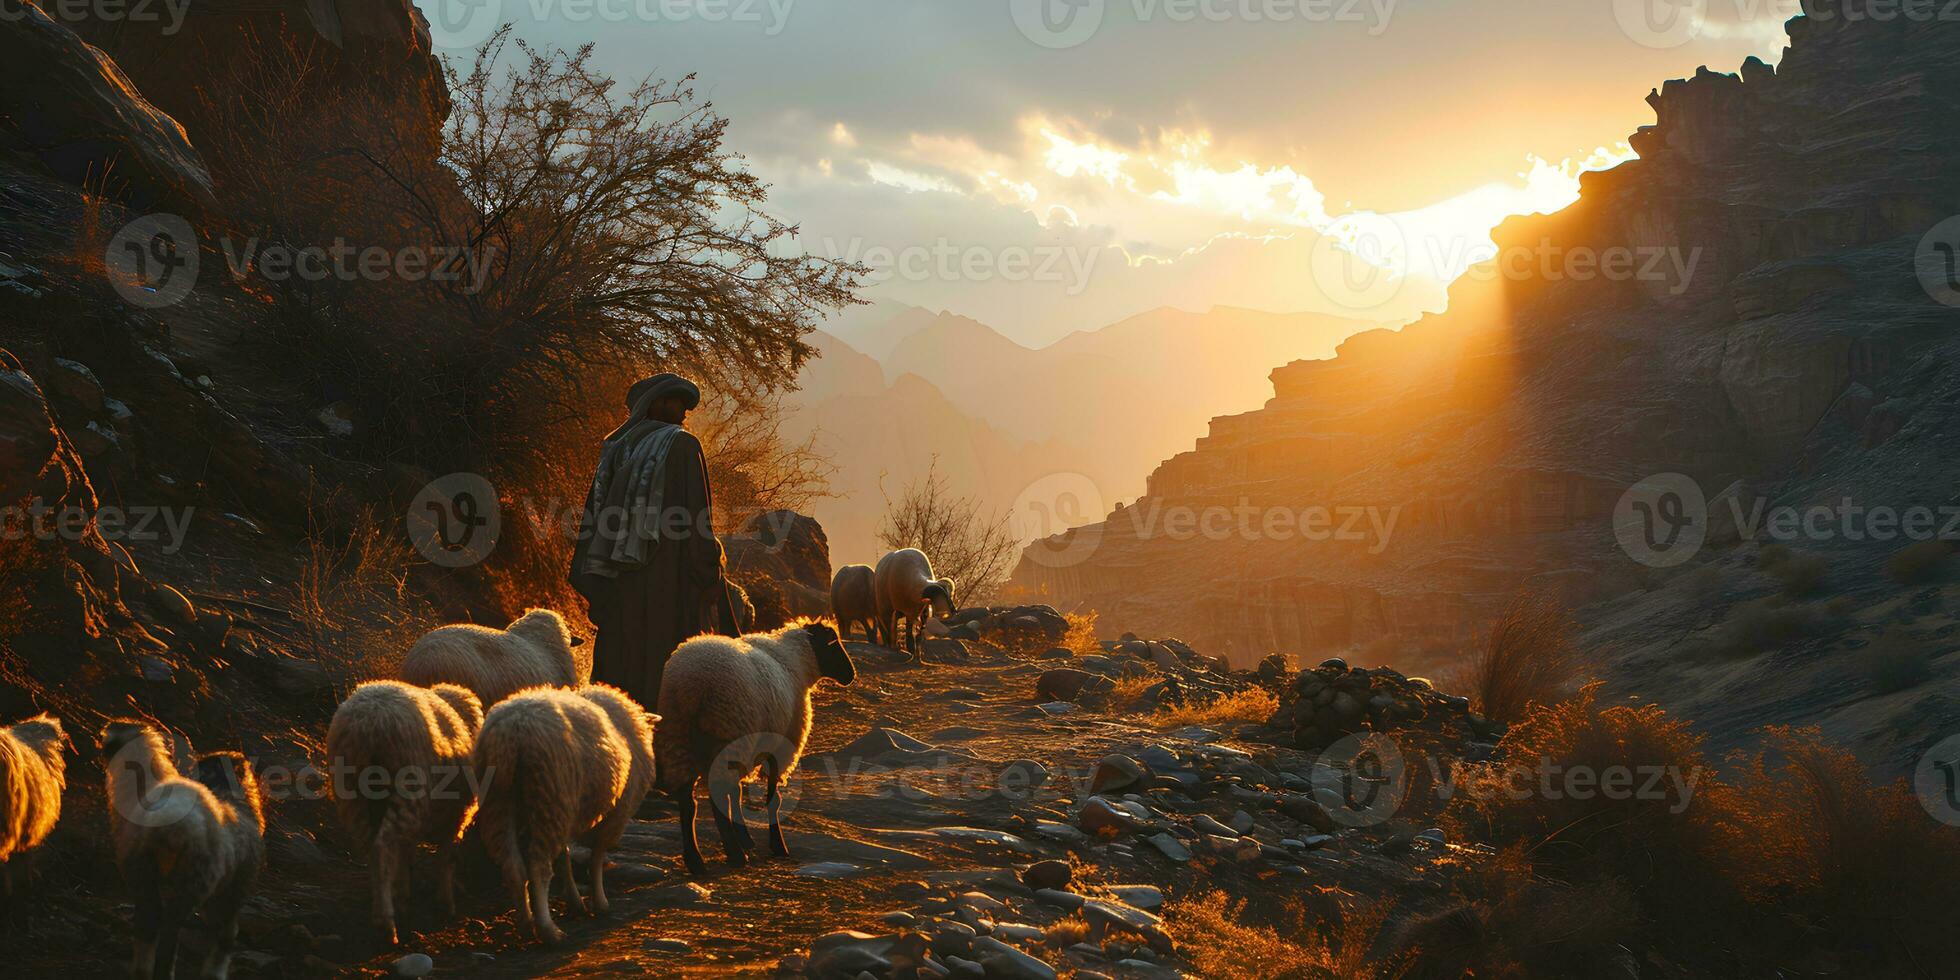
x,y
1798,573
1512,923
1895,661
1919,563
1067,932
1529,659
1214,932
1081,636
1129,689
1254,704
1764,624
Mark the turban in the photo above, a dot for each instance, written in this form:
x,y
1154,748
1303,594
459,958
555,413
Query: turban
x,y
645,393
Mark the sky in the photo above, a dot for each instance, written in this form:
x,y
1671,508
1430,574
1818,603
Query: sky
x,y
1046,166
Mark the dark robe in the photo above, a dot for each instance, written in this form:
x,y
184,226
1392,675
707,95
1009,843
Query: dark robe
x,y
643,613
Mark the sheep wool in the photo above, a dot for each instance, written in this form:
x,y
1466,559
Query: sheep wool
x,y
533,651
556,767
744,701
33,772
399,767
854,600
182,844
906,590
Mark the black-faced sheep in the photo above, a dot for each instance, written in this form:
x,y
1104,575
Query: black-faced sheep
x,y
906,590
181,844
533,651
854,600
555,768
733,705
399,759
33,772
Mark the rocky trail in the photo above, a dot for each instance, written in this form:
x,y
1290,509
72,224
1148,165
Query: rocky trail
x,y
946,819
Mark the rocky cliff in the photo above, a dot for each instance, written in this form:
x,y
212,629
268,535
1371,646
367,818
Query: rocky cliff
x,y
1755,303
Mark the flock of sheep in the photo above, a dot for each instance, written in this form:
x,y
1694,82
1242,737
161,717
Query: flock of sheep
x,y
485,727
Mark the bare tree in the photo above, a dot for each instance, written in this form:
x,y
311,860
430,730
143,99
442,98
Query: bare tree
x,y
965,541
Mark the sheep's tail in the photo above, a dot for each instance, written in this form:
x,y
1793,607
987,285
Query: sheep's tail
x,y
674,741
529,793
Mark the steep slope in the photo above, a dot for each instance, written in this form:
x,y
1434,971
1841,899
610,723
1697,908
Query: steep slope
x,y
1757,299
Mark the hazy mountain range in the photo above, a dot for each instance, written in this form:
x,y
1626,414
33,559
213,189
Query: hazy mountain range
x,y
895,386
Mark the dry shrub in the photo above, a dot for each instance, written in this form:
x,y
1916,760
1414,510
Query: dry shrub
x,y
1514,923
1821,852
1213,931
1648,834
1896,661
1798,573
967,543
1254,704
1529,660
1129,689
1918,563
1763,624
351,600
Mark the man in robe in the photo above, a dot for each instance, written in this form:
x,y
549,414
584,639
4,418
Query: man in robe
x,y
646,558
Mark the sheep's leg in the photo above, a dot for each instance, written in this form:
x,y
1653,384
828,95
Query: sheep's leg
x,y
777,845
539,872
721,800
382,857
446,879
574,902
520,894
170,919
738,815
690,845
149,914
599,904
222,914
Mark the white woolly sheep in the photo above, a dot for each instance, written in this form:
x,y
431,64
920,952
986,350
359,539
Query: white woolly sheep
x,y
33,772
558,767
533,651
399,756
854,600
906,590
182,844
733,705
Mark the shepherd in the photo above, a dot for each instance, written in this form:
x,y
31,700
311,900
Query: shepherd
x,y
646,558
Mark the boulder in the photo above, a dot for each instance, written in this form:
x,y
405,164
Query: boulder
x,y
69,106
1069,684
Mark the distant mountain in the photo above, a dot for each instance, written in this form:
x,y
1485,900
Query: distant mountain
x,y
1098,408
